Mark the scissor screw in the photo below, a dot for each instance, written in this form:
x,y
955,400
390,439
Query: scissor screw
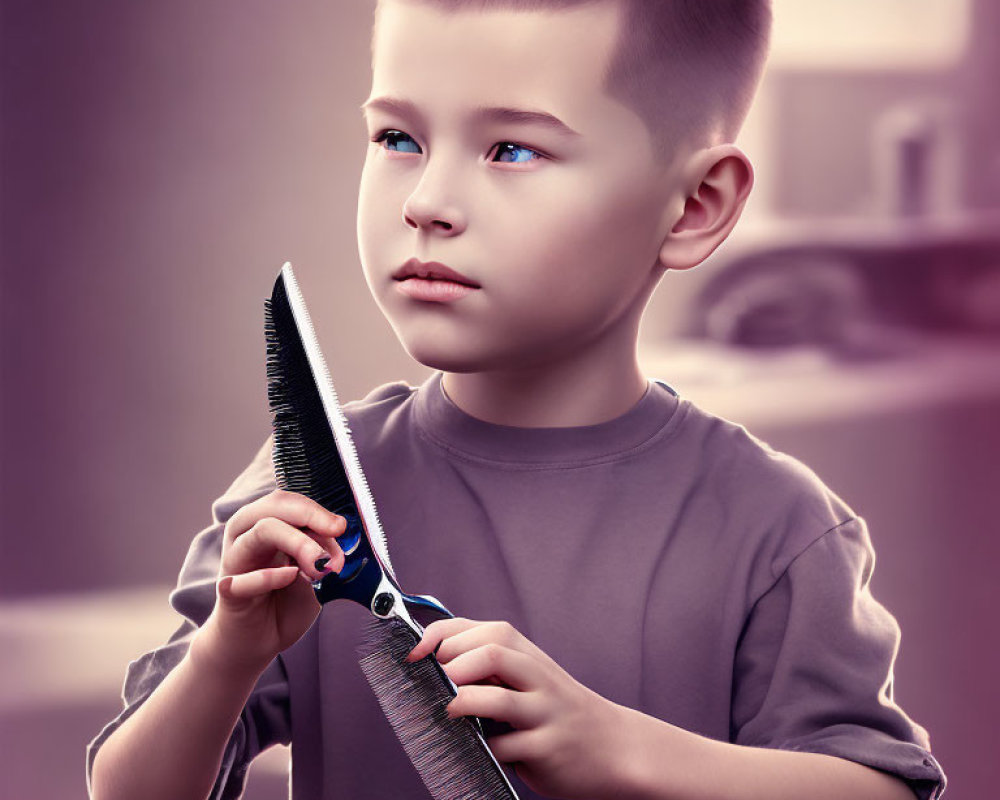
x,y
383,604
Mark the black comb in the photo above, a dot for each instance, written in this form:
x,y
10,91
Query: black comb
x,y
305,453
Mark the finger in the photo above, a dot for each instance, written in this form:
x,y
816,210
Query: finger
x,y
514,668
520,709
502,633
293,508
256,583
258,547
436,632
514,746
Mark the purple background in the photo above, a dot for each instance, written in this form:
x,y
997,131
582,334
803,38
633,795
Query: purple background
x,y
160,161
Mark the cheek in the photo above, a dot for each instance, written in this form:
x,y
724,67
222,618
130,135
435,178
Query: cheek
x,y
378,214
369,191
579,238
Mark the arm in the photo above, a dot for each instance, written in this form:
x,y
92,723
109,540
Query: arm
x,y
172,746
189,716
570,742
660,760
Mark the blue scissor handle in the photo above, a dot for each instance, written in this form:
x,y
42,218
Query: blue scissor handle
x,y
359,578
362,574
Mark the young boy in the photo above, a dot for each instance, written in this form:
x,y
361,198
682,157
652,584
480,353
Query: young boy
x,y
685,612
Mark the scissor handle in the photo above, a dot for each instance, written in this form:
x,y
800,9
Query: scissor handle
x,y
361,575
363,580
360,580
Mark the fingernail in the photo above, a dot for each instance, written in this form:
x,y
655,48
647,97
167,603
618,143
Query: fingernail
x,y
321,562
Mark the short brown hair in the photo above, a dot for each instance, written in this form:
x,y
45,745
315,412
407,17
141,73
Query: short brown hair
x,y
689,68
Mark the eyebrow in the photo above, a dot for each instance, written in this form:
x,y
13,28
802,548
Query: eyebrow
x,y
489,113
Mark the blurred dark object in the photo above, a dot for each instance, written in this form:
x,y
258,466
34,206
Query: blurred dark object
x,y
916,159
839,284
786,299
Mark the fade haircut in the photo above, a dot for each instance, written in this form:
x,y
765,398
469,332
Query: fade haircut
x,y
688,68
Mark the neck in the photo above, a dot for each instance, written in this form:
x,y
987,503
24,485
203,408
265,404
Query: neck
x,y
571,394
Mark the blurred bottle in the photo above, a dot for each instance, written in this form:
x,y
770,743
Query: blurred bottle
x,y
916,159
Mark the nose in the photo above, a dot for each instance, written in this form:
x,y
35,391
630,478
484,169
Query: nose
x,y
429,208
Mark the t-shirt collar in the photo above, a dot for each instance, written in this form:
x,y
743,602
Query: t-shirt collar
x,y
452,428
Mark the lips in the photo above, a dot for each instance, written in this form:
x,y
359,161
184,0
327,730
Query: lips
x,y
431,270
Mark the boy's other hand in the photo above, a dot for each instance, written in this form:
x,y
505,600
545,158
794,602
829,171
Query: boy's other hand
x,y
272,549
565,742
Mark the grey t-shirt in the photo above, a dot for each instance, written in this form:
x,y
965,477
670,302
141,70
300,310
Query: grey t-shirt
x,y
667,559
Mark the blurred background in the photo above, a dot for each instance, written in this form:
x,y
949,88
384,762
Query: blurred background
x,y
161,160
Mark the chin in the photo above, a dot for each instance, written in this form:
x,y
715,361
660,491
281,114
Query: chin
x,y
439,359
467,360
433,353
444,346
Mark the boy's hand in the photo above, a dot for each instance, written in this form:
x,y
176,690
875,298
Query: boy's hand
x,y
271,549
566,736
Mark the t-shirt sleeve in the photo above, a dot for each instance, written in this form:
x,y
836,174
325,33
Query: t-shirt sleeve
x,y
265,718
813,669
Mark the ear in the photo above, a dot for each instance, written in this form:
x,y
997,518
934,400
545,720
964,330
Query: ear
x,y
718,182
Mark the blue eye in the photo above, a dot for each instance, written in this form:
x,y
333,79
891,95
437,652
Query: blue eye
x,y
506,152
508,148
395,137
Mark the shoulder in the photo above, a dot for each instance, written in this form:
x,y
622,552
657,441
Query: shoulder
x,y
257,478
774,497
378,413
388,395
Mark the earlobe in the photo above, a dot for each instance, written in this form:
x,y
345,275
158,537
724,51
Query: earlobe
x,y
722,180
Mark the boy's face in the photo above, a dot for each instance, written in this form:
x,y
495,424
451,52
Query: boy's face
x,y
559,230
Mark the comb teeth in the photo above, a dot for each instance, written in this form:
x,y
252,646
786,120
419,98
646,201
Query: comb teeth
x,y
305,462
452,759
299,384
